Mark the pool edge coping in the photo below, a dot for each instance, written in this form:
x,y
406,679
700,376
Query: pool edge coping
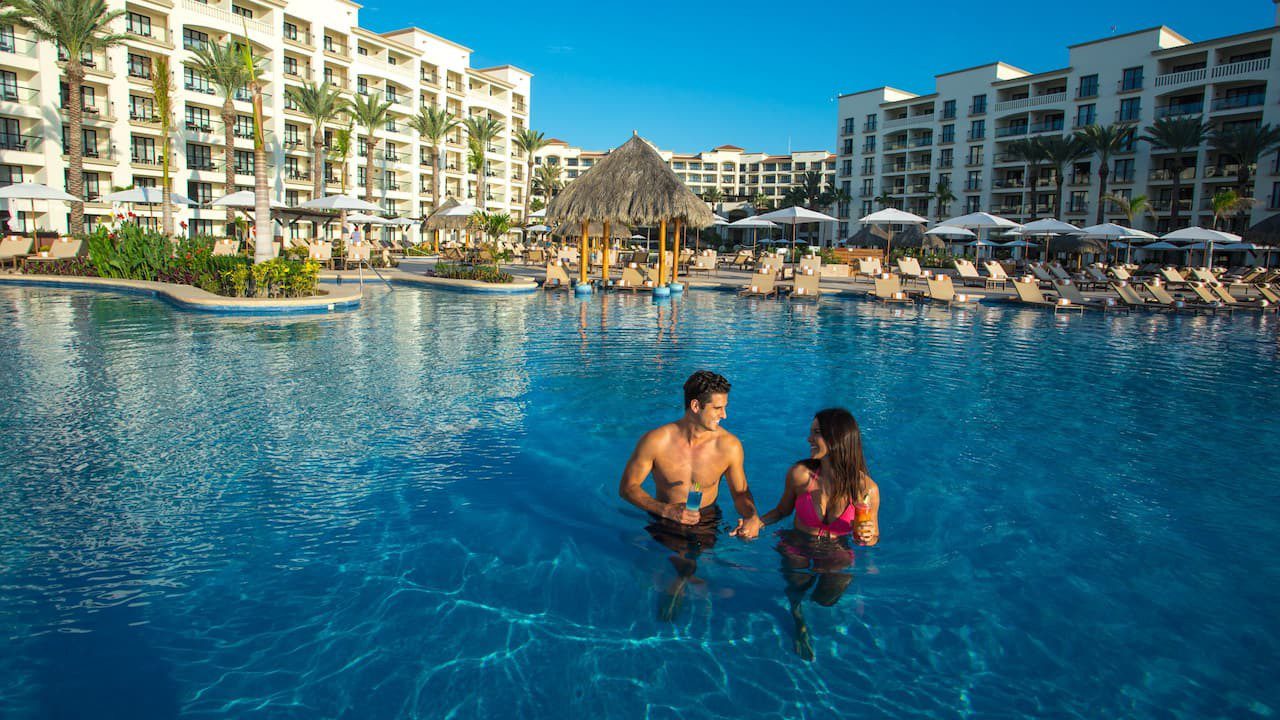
x,y
195,299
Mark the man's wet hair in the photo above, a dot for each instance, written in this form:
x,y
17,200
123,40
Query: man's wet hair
x,y
702,385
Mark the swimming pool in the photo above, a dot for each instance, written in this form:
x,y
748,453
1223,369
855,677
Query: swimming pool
x,y
412,511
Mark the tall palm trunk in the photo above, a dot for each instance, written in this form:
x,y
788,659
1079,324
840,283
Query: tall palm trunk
x,y
263,249
229,143
317,162
371,147
437,189
480,181
75,149
1177,188
1103,172
1058,179
528,191
166,208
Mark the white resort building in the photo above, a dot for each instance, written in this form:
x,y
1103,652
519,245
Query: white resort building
x,y
311,40
738,175
896,146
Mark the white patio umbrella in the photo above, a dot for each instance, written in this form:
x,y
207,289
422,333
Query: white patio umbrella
x,y
34,192
980,221
1205,235
1112,231
242,200
754,224
950,231
719,220
795,216
147,196
538,213
541,228
364,219
890,217
340,202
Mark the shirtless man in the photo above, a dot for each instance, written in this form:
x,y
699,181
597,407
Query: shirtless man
x,y
692,453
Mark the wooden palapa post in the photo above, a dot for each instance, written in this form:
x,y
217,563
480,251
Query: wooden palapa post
x,y
584,255
604,254
662,253
675,251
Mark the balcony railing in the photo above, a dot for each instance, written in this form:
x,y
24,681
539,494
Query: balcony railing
x,y
976,135
17,46
945,162
1078,179
1032,101
1131,115
1236,102
972,185
908,120
1122,177
254,27
298,175
1048,126
1222,171
14,141
1010,130
1179,110
1181,78
1167,174
1128,86
1240,68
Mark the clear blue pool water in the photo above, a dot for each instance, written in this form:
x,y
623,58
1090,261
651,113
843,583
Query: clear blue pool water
x,y
411,511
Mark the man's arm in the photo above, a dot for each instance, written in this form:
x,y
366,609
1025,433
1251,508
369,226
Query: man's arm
x,y
631,487
749,525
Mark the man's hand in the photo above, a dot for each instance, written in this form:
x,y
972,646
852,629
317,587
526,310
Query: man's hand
x,y
680,513
748,528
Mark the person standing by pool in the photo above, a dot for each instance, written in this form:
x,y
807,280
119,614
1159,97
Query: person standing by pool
x,y
834,500
685,457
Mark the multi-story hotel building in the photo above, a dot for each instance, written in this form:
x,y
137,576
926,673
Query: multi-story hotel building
x,y
898,144
738,175
313,40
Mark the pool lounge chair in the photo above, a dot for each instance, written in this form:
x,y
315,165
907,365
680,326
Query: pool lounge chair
x,y
1160,294
705,264
322,252
743,260
941,290
969,274
1094,276
771,264
869,268
1029,294
889,290
1120,273
806,287
62,249
13,249
357,254
909,268
1201,275
1268,293
996,274
631,281
1071,291
1224,294
1206,295
557,278
226,247
535,256
1131,298
811,263
1041,274
1171,277
763,284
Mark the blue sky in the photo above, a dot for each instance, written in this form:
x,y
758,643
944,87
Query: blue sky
x,y
760,76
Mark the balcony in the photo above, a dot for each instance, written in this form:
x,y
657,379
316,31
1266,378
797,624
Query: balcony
x,y
869,126
972,185
868,149
1179,110
1129,115
1078,180
253,27
978,109
297,175
896,146
1048,126
200,165
909,120
1166,205
301,38
976,135
1010,130
922,142
144,160
1239,102
1008,184
21,143
1032,101
1222,172
1240,68
1128,86
1167,174
1078,208
1122,178
17,46
945,162
1184,77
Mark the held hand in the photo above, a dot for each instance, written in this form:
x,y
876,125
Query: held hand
x,y
748,528
681,514
866,533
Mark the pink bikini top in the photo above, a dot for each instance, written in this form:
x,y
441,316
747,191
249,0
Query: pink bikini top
x,y
807,512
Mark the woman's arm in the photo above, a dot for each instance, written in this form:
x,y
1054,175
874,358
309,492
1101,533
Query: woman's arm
x,y
869,532
787,503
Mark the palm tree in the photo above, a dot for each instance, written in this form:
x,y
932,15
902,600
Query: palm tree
x,y
1132,207
835,196
547,182
711,196
529,141
433,124
1181,135
1061,151
761,203
494,225
885,199
1246,144
1227,204
161,91
340,152
321,103
942,193
1104,141
370,112
252,69
79,27
482,131
223,65
1032,152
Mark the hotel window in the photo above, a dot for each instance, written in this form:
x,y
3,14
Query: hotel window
x,y
1274,203
201,192
290,65
946,157
194,39
975,155
848,127
138,24
8,43
194,81
391,60
1079,201
869,144
198,119
142,149
1088,87
868,187
979,105
949,110
1086,115
1123,171
291,134
1130,108
846,147
88,141
143,181
870,124
972,203
846,167
977,129
291,198
973,181
362,50
10,174
362,86
1131,79
243,12
243,127
139,66
141,108
244,162
329,77
290,31
328,44
198,227
866,207
199,157
11,135
392,95
868,166
8,85
948,133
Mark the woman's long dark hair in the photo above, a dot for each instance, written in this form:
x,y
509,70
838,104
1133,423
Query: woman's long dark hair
x,y
844,456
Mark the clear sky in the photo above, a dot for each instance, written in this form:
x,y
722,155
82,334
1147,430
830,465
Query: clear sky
x,y
692,75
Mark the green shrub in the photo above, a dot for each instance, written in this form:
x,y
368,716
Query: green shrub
x,y
483,273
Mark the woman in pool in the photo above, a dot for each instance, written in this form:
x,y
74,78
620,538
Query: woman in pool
x,y
835,503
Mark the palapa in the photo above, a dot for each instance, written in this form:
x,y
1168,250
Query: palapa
x,y
632,185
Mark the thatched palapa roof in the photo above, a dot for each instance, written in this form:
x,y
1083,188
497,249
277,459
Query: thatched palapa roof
x,y
617,231
632,186
443,219
1266,232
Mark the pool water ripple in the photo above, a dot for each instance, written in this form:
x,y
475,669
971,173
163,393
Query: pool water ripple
x,y
411,511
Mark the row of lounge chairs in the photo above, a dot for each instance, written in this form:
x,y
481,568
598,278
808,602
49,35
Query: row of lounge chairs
x,y
19,251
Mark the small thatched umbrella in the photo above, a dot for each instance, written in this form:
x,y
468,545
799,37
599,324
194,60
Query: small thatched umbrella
x,y
1265,234
633,186
451,215
1079,244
